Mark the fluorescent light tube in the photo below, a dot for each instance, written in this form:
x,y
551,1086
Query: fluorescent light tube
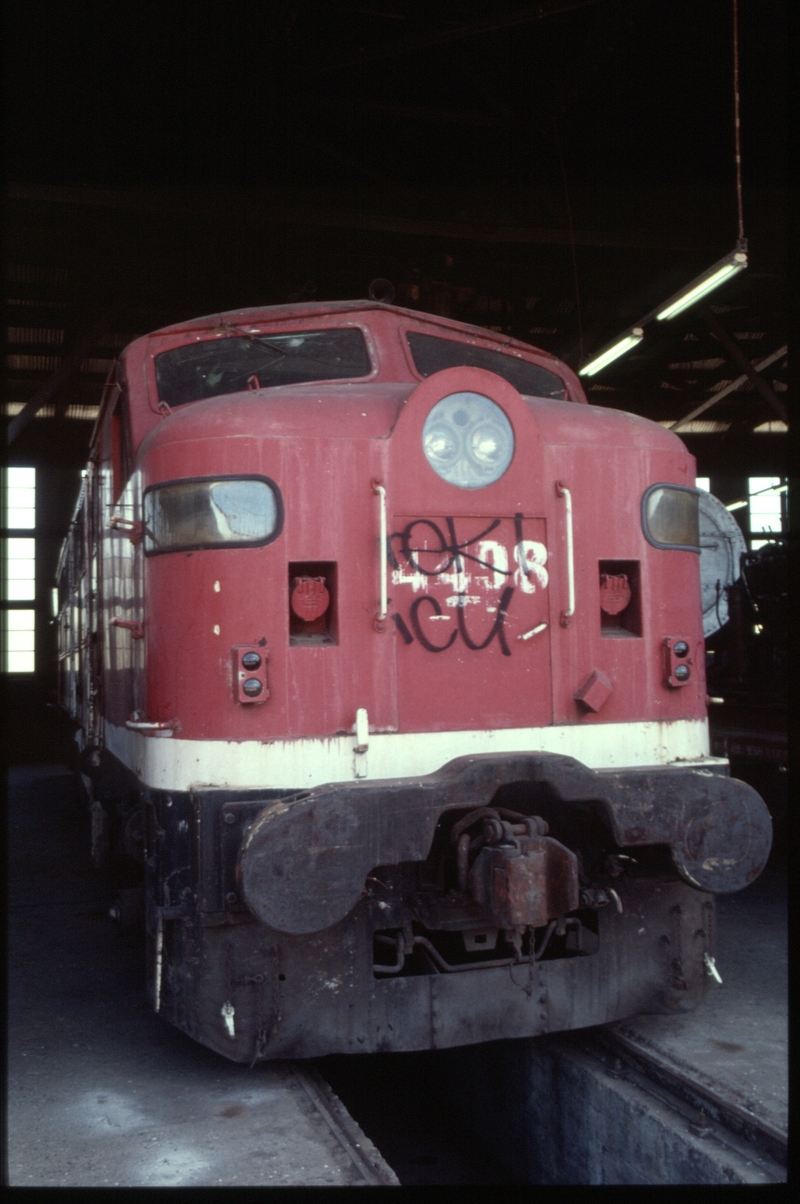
x,y
613,352
711,279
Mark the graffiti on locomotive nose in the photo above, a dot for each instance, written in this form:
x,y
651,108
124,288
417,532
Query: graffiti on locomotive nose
x,y
452,564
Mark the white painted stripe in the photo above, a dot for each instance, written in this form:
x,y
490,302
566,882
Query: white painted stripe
x,y
177,764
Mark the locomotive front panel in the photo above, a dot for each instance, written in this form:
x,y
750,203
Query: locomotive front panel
x,y
631,597
419,724
304,601
469,559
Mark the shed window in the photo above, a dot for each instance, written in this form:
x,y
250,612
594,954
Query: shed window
x,y
18,570
767,504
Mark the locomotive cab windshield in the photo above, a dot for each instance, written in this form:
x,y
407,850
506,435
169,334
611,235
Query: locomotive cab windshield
x,y
432,354
236,360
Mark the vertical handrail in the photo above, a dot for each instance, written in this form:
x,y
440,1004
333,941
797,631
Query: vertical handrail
x,y
381,492
159,960
567,614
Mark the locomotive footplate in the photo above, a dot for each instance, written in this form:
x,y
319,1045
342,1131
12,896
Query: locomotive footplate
x,y
503,896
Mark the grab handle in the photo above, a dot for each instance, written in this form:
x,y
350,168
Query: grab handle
x,y
567,614
380,617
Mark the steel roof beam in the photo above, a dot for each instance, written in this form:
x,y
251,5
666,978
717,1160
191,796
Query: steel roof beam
x,y
347,219
740,359
67,368
731,388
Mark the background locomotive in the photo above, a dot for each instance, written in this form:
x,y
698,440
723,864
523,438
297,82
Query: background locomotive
x,y
386,655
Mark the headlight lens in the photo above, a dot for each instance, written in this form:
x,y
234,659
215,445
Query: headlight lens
x,y
468,440
441,447
670,517
231,512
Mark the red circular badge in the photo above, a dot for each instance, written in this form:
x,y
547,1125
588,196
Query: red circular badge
x,y
310,598
615,593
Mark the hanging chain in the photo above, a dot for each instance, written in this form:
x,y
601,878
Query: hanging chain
x,y
737,127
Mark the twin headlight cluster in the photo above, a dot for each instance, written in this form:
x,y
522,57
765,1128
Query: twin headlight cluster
x,y
467,440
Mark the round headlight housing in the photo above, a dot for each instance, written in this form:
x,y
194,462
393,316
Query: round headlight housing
x,y
467,440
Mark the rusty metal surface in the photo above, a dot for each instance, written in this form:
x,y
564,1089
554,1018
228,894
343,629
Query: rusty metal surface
x,y
718,828
736,1048
254,993
305,859
529,885
305,996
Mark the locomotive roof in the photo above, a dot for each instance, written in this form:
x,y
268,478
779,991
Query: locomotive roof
x,y
306,309
391,369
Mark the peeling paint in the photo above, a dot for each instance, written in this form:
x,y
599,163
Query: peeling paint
x,y
298,764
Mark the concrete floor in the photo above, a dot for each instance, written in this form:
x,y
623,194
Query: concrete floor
x,y
100,1091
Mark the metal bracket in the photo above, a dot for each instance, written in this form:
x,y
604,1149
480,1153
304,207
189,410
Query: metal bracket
x,y
362,743
128,526
165,728
132,625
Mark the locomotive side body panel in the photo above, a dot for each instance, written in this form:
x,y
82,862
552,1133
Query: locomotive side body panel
x,y
123,607
404,666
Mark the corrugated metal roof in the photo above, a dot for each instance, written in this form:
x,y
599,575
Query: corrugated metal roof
x,y
775,427
36,273
33,363
697,426
34,334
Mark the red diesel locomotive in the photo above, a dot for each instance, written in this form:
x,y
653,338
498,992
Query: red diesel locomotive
x,y
385,652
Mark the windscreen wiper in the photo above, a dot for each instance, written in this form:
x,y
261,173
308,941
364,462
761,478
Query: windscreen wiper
x,y
251,338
